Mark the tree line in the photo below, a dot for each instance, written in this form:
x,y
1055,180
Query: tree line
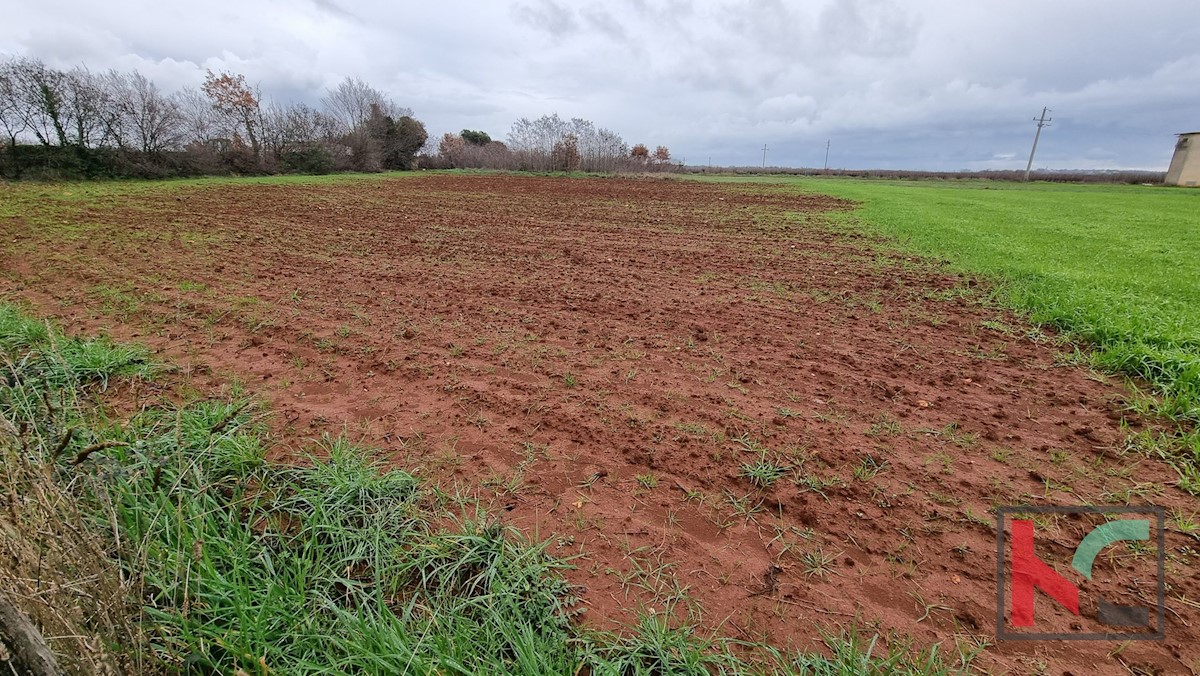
x,y
548,143
79,123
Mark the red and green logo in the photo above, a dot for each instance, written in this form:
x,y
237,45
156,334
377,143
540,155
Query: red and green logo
x,y
1021,570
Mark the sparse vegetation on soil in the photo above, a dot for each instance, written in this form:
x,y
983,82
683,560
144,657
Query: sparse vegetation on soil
x,y
728,410
174,546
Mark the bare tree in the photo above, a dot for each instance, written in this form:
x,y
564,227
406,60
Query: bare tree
x,y
565,154
306,124
352,101
148,119
274,128
11,119
199,124
495,155
88,111
583,133
61,108
550,142
613,149
38,100
295,128
533,141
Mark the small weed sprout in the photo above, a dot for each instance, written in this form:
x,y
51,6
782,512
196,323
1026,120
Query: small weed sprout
x,y
647,481
817,563
1186,523
744,507
816,484
869,468
954,434
763,473
884,426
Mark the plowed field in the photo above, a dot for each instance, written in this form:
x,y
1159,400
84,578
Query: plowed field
x,y
724,404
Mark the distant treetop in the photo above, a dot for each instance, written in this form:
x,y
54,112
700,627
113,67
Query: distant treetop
x,y
476,138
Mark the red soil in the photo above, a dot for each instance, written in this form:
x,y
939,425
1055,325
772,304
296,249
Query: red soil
x,y
599,357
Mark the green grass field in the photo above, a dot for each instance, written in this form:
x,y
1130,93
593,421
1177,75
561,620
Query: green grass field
x,y
1114,265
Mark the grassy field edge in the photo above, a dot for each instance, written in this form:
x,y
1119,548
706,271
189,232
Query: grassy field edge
x,y
1038,245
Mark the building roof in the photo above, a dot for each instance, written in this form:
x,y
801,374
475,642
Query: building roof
x,y
1188,133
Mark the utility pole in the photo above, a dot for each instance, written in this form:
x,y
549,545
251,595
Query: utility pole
x,y
764,156
827,142
1042,122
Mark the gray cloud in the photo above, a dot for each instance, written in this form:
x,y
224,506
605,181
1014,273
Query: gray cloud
x,y
603,21
871,28
335,9
919,83
547,15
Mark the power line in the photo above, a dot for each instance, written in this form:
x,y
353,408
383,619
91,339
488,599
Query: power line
x,y
1042,122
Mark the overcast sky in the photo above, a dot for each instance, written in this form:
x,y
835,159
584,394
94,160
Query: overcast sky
x,y
924,84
